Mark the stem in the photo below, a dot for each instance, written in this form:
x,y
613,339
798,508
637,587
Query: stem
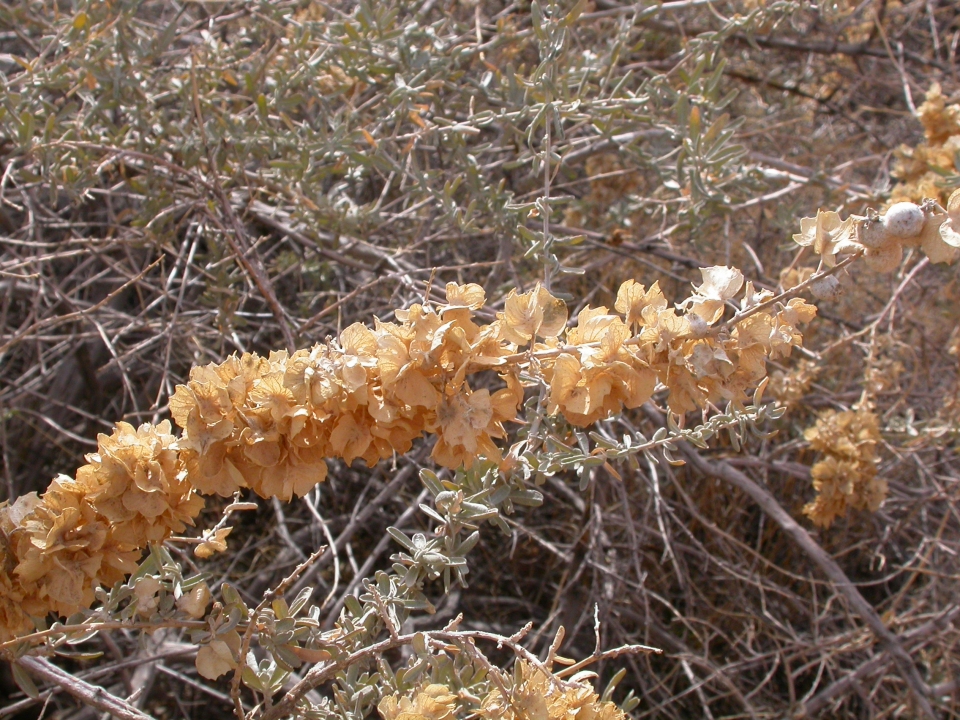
x,y
268,597
741,316
547,271
86,693
322,673
109,625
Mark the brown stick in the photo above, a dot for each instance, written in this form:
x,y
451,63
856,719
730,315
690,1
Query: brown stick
x,y
173,650
249,260
86,693
50,322
245,252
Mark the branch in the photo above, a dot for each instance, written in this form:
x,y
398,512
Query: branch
x,y
817,47
831,48
788,293
358,521
50,322
173,650
88,694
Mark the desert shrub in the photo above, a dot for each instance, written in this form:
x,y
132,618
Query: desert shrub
x,y
456,241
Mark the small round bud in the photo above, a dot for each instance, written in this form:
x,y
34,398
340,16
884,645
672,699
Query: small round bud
x,y
903,220
698,326
826,288
873,233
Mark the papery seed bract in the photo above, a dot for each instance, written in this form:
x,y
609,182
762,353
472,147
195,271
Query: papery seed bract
x,y
270,424
884,259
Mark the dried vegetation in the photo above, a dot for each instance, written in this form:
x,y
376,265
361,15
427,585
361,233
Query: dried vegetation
x,y
195,195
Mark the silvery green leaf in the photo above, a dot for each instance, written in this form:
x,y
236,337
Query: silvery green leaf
x,y
401,538
300,601
24,681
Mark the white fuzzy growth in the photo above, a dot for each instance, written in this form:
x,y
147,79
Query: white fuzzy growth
x,y
826,288
873,233
698,326
904,220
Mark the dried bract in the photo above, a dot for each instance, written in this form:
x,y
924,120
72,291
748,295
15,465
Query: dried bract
x,y
847,476
882,239
430,702
271,423
920,169
540,696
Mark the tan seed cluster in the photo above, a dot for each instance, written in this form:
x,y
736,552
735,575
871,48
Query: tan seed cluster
x,y
847,476
539,695
920,169
13,621
430,702
87,532
615,362
883,239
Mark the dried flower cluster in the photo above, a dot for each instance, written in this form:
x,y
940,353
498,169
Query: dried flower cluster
x,y
540,695
920,215
430,702
847,476
606,369
87,532
269,424
883,238
13,621
535,695
920,170
790,385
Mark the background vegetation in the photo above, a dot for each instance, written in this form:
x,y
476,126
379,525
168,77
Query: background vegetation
x,y
182,181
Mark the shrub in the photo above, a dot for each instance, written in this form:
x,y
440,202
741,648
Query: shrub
x,y
195,194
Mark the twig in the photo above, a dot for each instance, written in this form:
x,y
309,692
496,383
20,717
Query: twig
x,y
606,655
61,319
792,292
257,212
236,237
172,651
86,693
320,674
372,558
268,597
911,638
357,522
330,543
84,628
